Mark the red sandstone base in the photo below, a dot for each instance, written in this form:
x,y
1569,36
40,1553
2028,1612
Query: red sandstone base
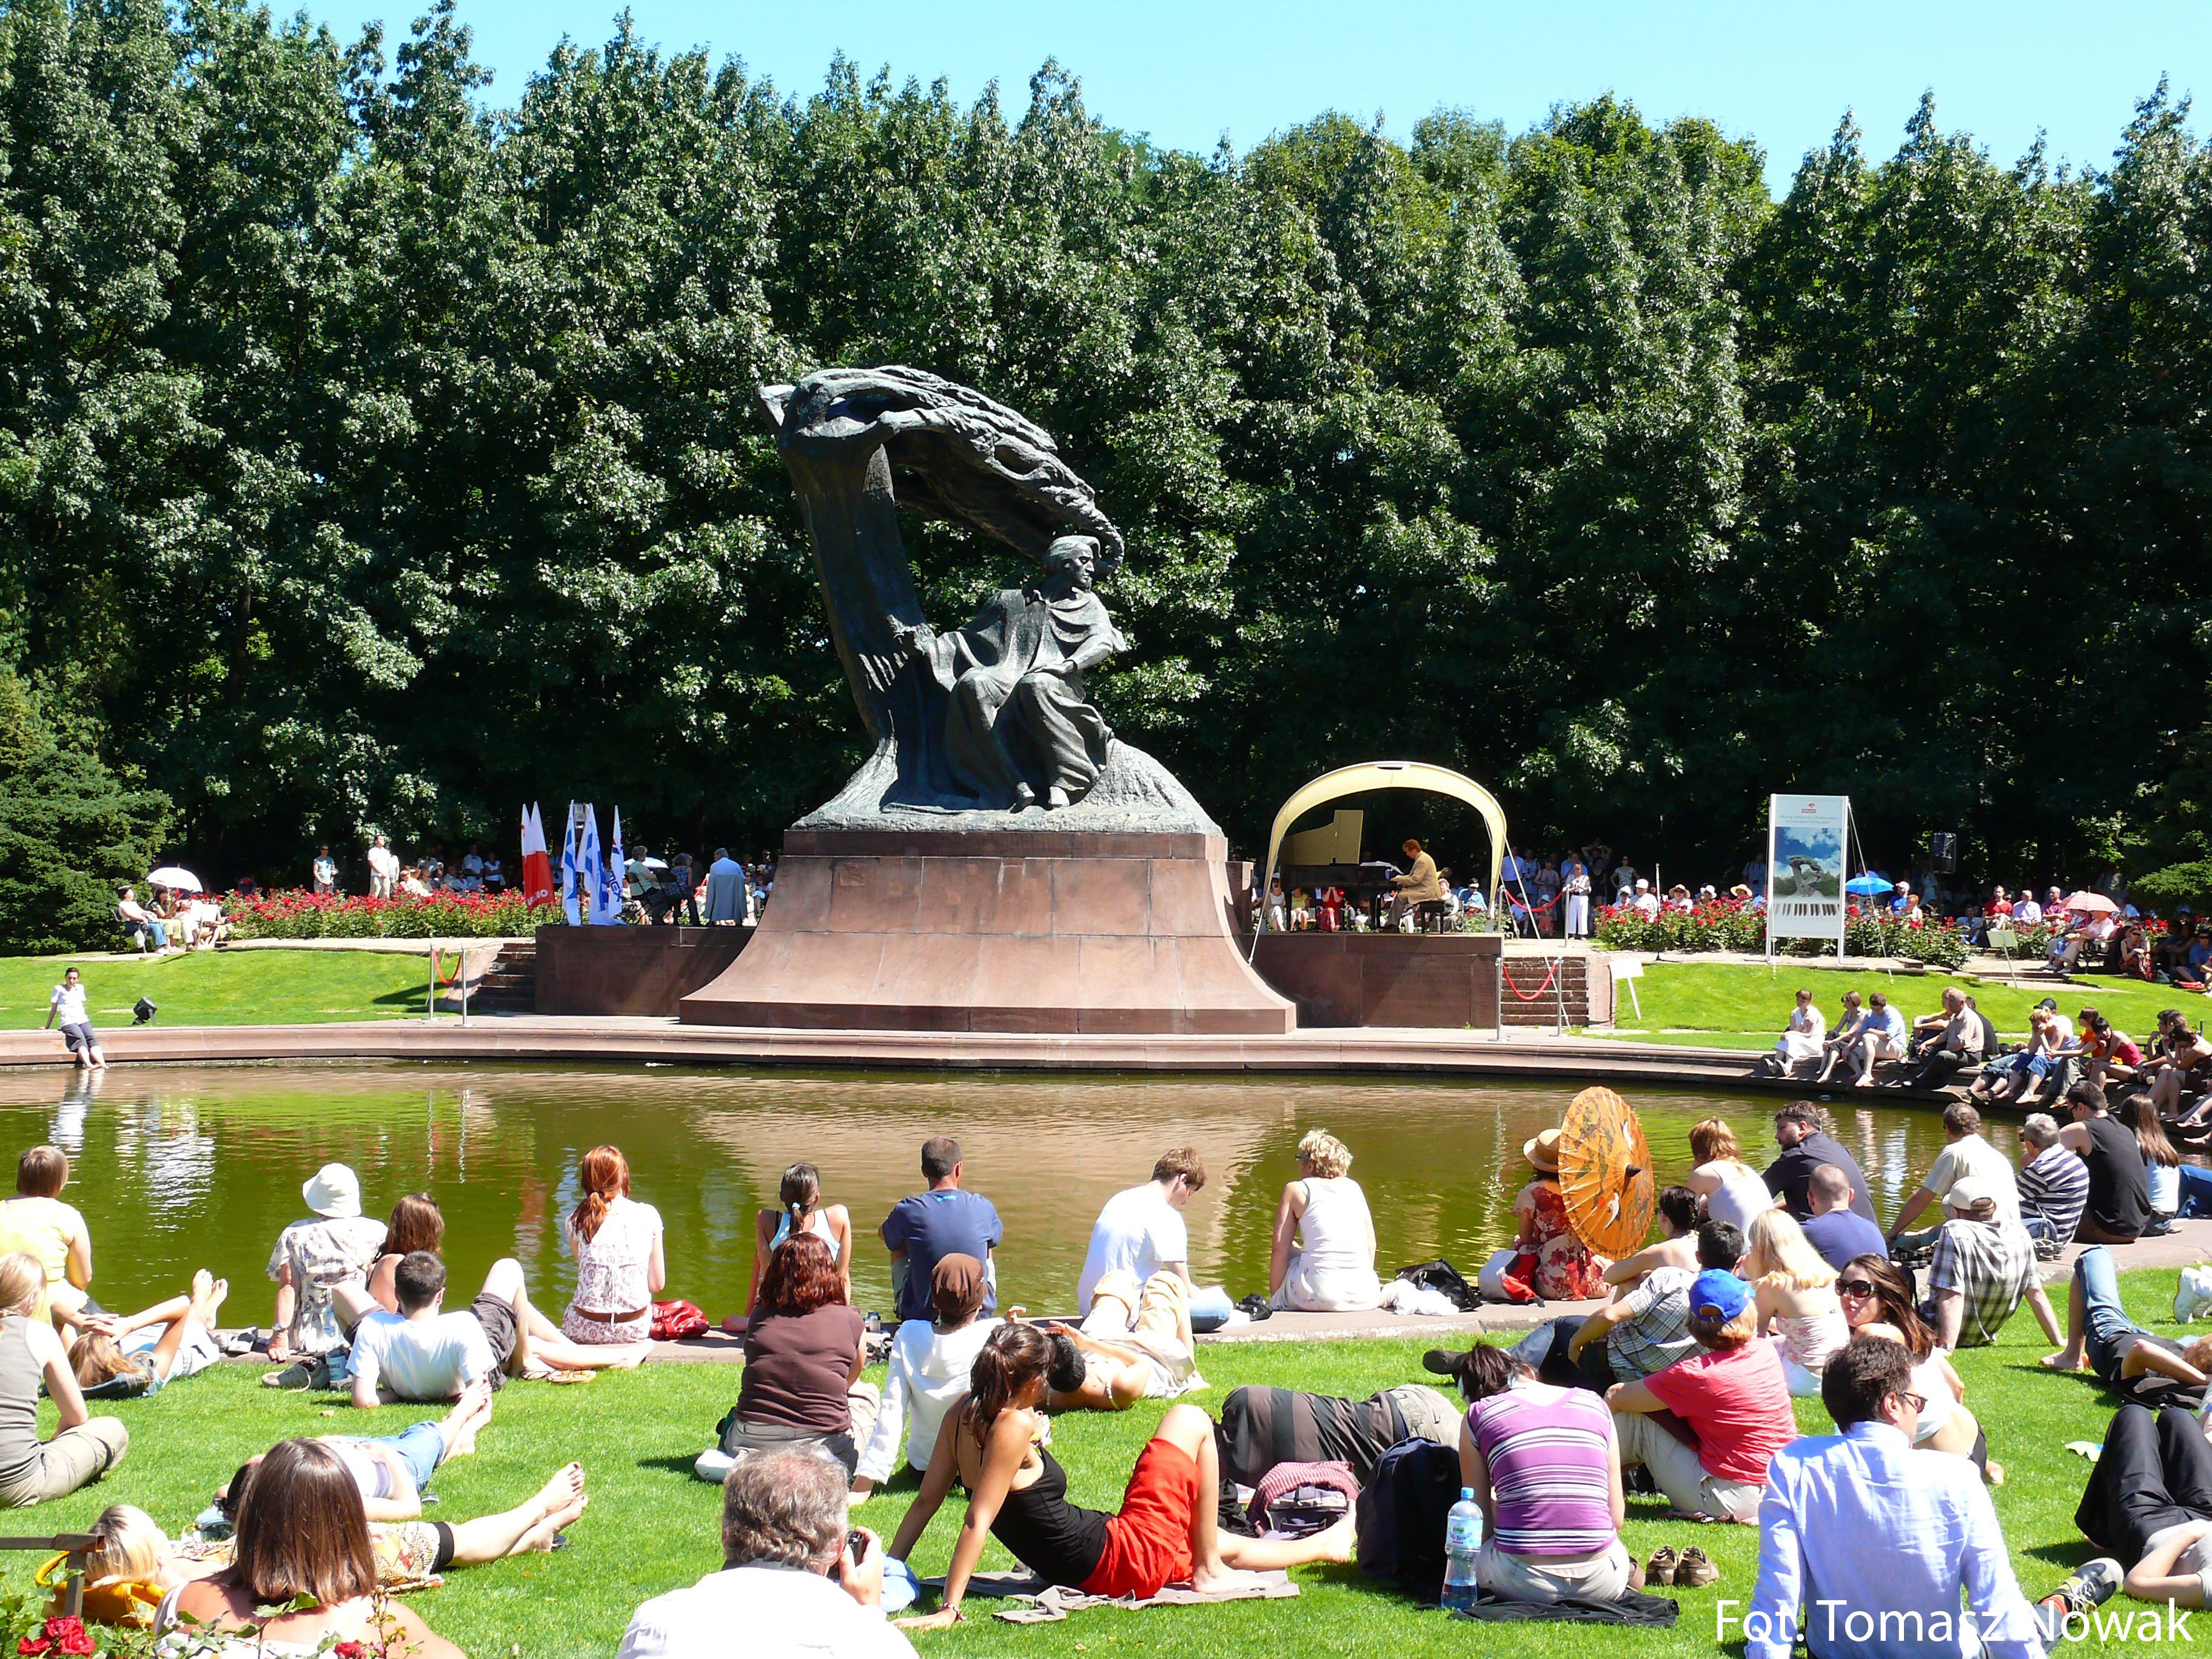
x,y
952,930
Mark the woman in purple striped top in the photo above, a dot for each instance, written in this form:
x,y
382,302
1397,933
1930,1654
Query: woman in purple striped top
x,y
1545,1468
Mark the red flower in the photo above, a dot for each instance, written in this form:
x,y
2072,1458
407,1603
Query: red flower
x,y
69,1636
350,1650
32,1645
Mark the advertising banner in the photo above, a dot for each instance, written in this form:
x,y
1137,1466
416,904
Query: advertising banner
x,y
1805,839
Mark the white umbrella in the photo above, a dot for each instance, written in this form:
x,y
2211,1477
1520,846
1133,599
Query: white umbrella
x,y
652,863
175,879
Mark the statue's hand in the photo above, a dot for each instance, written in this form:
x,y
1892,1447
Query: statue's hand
x,y
913,638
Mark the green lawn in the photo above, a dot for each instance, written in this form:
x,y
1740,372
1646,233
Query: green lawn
x,y
652,1528
225,987
1743,1006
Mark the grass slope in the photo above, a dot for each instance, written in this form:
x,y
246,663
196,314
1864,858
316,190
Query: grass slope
x,y
223,987
1742,1005
652,1528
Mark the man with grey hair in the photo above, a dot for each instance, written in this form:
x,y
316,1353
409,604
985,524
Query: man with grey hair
x,y
2054,1183
793,1582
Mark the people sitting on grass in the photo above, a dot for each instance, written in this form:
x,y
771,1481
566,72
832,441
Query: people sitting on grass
x,y
2117,1208
135,1356
1135,1344
1855,1523
1983,1268
941,1222
2161,1163
1794,1291
2149,1502
1733,1191
312,1260
800,1210
796,1577
1878,1300
1646,1326
1141,1230
1732,1395
416,1224
805,1351
303,1576
83,1447
1836,1228
423,1353
1807,1135
2100,1335
926,1371
1559,1267
1330,1267
1544,1466
1965,1153
1167,1531
1263,1428
621,1264
38,1223
2053,1183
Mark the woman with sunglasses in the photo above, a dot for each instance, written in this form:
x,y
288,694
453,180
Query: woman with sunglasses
x,y
1877,1300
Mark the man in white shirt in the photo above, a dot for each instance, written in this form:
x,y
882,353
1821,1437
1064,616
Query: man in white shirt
x,y
1964,1154
1140,1231
1647,902
423,1353
383,868
791,1583
1866,1545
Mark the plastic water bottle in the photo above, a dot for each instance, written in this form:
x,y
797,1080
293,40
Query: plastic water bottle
x,y
1462,1543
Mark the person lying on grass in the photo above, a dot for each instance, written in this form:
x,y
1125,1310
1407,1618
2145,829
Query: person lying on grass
x,y
394,1471
303,1547
2100,1331
1167,1531
134,1358
2149,1502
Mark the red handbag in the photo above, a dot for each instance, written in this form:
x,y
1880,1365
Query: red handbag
x,y
674,1321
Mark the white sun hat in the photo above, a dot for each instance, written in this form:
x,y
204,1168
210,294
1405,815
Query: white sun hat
x,y
334,1193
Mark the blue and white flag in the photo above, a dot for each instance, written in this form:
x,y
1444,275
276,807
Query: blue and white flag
x,y
590,872
572,900
610,880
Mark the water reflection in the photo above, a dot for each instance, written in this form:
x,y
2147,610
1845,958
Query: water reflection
x,y
179,1169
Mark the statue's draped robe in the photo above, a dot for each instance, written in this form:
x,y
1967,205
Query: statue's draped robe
x,y
1007,721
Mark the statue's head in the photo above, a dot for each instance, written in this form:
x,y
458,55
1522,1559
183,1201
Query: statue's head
x,y
1071,561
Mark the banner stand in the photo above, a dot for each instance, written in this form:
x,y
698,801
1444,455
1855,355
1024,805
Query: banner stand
x,y
1807,838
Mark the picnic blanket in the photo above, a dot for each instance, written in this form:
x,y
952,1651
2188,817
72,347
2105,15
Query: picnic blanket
x,y
1634,1607
1036,1602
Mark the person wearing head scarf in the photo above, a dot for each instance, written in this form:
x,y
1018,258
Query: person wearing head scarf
x,y
928,1370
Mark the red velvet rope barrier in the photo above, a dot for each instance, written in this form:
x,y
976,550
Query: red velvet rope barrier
x,y
1531,910
1527,996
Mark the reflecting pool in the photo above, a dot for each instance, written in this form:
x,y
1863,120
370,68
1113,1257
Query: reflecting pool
x,y
178,1167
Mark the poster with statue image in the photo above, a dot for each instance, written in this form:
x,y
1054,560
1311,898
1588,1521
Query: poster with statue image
x,y
1805,839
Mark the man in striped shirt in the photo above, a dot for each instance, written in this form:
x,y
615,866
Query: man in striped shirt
x,y
2054,1183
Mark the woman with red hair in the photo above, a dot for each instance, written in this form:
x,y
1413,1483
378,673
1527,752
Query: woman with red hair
x,y
620,1264
801,1387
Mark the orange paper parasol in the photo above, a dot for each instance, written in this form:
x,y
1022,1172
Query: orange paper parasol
x,y
1605,1173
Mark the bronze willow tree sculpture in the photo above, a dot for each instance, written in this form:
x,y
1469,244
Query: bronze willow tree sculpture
x,y
972,725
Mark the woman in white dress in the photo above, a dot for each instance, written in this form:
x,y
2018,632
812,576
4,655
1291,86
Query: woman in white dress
x,y
803,1211
1332,1269
620,1264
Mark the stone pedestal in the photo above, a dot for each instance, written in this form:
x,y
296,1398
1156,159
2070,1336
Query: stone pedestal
x,y
997,931
1442,981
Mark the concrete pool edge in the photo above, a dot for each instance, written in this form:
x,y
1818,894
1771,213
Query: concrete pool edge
x,y
1375,1050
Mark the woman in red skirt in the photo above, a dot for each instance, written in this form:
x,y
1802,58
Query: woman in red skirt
x,y
1165,1533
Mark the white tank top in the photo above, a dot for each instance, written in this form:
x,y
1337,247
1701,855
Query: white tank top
x,y
819,1226
1335,1227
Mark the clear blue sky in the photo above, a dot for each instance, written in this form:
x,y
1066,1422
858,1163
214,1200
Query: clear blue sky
x,y
1781,72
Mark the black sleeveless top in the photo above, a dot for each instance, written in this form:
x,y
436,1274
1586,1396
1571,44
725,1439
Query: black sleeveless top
x,y
1048,1535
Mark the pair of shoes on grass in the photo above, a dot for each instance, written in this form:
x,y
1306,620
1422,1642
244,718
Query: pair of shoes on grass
x,y
1690,1569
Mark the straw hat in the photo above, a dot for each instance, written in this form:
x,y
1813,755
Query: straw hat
x,y
334,1193
1543,1152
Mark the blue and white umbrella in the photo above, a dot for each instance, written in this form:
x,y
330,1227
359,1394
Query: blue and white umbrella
x,y
1869,883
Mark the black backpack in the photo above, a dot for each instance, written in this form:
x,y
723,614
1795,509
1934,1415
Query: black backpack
x,y
1441,1275
1403,1514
